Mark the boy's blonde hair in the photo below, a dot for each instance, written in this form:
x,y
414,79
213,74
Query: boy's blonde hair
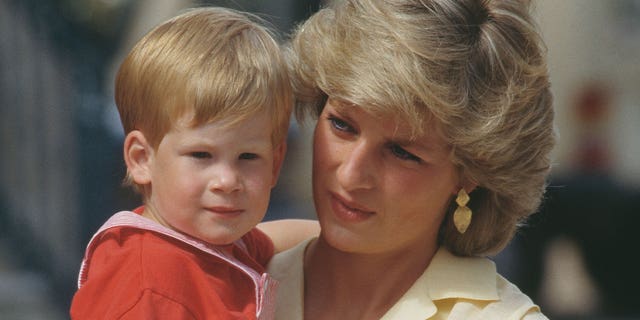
x,y
208,63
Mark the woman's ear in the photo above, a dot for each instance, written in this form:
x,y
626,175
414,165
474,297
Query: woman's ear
x,y
138,155
469,185
278,158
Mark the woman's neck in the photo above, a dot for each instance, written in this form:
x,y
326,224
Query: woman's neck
x,y
342,285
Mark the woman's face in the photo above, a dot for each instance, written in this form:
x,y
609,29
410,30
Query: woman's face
x,y
375,189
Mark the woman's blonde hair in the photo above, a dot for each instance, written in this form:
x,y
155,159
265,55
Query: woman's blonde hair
x,y
209,63
475,69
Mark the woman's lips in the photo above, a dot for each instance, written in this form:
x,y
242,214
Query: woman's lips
x,y
349,211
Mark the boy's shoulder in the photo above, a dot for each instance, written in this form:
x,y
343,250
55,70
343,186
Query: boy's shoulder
x,y
151,254
152,250
118,273
144,253
129,266
129,238
259,247
131,262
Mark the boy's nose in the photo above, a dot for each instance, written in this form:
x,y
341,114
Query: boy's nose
x,y
226,180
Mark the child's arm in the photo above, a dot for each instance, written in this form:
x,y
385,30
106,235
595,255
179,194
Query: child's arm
x,y
287,233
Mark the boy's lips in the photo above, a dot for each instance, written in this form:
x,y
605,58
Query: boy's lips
x,y
349,210
223,210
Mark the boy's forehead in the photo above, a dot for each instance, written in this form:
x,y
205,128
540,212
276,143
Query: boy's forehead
x,y
259,122
189,119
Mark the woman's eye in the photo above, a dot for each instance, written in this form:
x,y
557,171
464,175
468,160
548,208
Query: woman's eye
x,y
340,124
248,156
200,155
403,154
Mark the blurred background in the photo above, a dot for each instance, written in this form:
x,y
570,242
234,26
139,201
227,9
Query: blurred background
x,y
61,168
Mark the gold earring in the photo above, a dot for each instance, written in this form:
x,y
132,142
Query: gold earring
x,y
462,215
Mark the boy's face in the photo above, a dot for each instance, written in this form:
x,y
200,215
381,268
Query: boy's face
x,y
213,181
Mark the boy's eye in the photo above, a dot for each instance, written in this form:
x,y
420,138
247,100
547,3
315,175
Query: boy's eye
x,y
340,124
248,156
201,155
403,154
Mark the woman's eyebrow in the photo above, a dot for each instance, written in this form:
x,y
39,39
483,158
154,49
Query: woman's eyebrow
x,y
343,111
423,143
412,143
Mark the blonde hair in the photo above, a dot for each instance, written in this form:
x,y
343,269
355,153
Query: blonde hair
x,y
475,69
211,63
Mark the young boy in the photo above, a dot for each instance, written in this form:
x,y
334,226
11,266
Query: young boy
x,y
205,101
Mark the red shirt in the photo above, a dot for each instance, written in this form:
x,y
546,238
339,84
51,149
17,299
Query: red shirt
x,y
142,274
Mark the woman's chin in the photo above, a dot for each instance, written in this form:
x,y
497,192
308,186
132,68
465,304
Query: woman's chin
x,y
345,240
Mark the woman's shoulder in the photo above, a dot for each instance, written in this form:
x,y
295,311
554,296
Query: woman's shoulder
x,y
288,268
454,287
513,302
284,262
475,281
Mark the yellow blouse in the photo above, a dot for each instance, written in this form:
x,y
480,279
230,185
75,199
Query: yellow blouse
x,y
450,288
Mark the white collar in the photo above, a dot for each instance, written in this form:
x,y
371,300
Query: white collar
x,y
447,276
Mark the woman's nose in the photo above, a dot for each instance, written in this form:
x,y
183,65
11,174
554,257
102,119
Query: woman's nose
x,y
225,179
357,170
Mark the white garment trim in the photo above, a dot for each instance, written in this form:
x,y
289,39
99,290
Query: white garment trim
x,y
264,285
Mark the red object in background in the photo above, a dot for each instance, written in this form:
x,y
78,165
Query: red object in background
x,y
593,103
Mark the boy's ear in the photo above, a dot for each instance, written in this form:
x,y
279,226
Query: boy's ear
x,y
278,158
138,155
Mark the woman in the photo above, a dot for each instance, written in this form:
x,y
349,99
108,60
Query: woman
x,y
431,146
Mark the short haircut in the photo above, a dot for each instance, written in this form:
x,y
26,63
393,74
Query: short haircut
x,y
212,63
475,69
